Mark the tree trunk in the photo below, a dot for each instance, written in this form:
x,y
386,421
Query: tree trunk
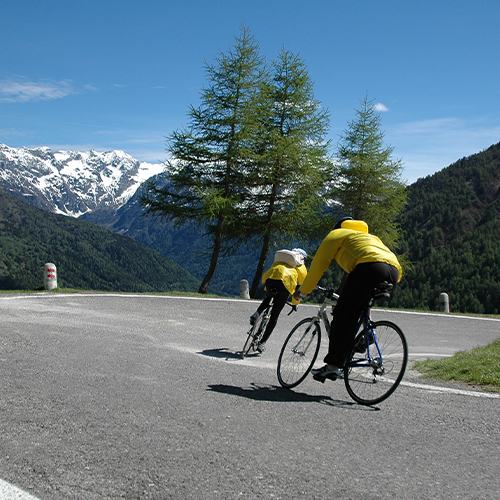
x,y
215,256
265,243
260,266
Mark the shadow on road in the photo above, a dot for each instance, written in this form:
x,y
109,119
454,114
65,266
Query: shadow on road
x,y
279,394
222,353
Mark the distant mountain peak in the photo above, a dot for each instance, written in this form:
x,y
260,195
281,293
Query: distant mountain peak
x,y
72,183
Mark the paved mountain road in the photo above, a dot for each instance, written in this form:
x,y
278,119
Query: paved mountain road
x,y
144,397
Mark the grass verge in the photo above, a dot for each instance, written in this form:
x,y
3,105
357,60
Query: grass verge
x,y
479,366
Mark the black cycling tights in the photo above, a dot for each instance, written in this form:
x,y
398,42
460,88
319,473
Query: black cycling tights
x,y
354,297
281,296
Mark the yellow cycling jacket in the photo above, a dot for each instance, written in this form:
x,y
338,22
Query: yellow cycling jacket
x,y
349,248
290,276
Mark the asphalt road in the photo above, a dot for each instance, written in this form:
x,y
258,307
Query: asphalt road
x,y
144,397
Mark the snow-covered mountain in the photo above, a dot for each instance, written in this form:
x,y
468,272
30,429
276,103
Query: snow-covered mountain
x,y
72,183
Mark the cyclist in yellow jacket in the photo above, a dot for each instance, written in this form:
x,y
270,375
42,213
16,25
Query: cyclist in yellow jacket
x,y
368,262
281,280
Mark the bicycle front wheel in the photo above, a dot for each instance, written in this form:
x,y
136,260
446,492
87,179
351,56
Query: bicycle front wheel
x,y
299,352
254,334
371,379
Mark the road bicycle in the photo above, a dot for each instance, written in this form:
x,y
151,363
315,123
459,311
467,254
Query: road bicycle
x,y
254,335
257,329
377,359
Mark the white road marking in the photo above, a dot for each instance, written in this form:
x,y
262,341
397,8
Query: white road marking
x,y
11,492
260,362
433,388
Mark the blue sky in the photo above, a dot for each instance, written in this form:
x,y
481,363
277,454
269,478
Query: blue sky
x,y
120,74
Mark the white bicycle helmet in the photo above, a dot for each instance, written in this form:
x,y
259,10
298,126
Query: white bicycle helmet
x,y
300,252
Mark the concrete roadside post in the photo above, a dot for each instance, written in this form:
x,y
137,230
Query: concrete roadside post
x,y
244,290
444,302
49,276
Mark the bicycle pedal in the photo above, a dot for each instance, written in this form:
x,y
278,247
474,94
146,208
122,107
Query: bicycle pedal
x,y
319,378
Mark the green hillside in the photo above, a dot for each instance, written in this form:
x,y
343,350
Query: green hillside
x,y
187,245
451,232
86,256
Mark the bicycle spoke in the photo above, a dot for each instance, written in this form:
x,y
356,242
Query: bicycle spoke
x,y
298,353
371,379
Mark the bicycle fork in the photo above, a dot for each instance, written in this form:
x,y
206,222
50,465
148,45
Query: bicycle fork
x,y
377,363
301,347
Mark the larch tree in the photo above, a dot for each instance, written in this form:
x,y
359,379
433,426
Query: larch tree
x,y
292,165
369,184
207,169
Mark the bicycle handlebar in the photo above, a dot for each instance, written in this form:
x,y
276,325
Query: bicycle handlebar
x,y
293,308
329,292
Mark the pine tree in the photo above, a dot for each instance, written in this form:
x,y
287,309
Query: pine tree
x,y
208,162
293,166
369,186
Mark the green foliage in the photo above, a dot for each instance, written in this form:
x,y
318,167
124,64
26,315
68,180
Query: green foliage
x,y
86,256
292,155
253,161
451,229
209,160
369,185
286,182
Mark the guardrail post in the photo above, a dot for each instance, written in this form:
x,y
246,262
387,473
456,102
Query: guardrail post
x,y
444,302
244,290
49,276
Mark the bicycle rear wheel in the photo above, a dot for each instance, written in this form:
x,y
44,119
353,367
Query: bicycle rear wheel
x,y
254,334
370,382
299,352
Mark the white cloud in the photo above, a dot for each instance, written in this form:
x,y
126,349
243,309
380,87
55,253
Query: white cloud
x,y
11,133
381,108
22,90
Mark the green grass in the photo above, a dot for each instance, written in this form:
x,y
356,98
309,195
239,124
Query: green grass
x,y
479,366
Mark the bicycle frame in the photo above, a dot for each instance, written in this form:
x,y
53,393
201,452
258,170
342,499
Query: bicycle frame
x,y
330,300
256,330
365,325
366,359
321,316
267,315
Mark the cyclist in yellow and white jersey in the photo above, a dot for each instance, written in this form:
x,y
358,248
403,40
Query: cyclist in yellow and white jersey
x,y
281,280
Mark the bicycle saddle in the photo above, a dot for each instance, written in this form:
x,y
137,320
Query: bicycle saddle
x,y
383,291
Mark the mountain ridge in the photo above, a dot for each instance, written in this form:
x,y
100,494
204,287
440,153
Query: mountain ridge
x,y
450,229
72,182
87,256
450,232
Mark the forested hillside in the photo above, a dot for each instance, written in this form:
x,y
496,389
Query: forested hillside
x,y
86,256
451,233
187,245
